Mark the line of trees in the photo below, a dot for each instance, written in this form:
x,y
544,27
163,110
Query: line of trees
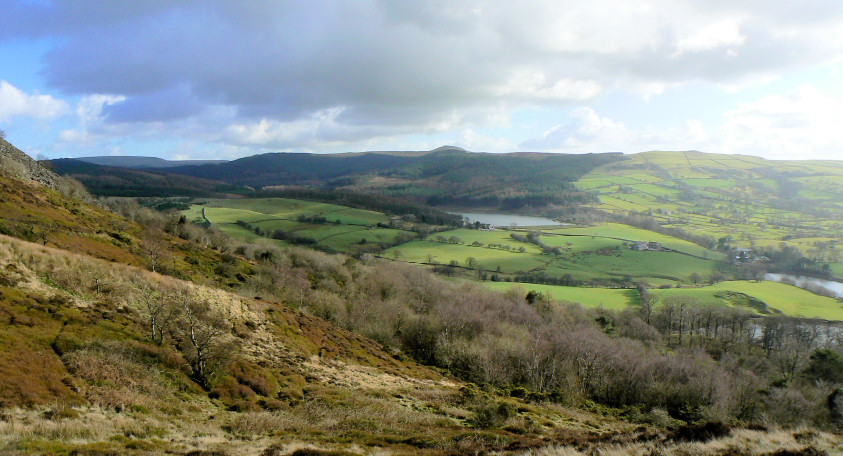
x,y
394,205
278,234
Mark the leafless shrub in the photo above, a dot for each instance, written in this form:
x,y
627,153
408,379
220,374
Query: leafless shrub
x,y
114,378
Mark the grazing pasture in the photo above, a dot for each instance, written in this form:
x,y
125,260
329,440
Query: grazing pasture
x,y
581,253
329,226
607,298
776,298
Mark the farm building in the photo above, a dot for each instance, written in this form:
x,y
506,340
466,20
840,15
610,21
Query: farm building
x,y
642,246
743,255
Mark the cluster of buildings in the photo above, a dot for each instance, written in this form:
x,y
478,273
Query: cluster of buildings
x,y
646,246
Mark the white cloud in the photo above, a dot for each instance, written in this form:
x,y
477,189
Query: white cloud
x,y
587,131
401,64
89,120
802,124
16,103
723,33
478,142
584,130
534,85
798,125
333,75
319,129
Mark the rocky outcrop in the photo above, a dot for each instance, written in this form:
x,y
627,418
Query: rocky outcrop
x,y
18,164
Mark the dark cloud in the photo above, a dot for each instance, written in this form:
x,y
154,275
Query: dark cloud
x,y
396,66
173,103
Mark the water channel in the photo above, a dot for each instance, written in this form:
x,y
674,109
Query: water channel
x,y
808,283
504,220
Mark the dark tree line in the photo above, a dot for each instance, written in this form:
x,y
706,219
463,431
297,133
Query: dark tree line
x,y
380,203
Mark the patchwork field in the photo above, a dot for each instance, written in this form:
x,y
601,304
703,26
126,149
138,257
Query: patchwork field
x,y
330,226
752,201
777,297
593,253
598,254
765,298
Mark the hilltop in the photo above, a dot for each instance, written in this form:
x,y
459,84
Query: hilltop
x,y
129,161
447,176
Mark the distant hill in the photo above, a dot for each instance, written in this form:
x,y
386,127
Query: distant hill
x,y
115,181
143,162
294,168
447,176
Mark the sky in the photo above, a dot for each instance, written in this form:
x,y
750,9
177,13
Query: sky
x,y
219,79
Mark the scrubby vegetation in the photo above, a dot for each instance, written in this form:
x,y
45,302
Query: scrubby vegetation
x,y
145,334
559,351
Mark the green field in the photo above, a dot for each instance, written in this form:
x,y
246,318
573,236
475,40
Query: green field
x,y
593,253
509,261
618,231
345,229
778,297
598,253
607,298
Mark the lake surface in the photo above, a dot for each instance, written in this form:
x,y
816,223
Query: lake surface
x,y
807,283
508,219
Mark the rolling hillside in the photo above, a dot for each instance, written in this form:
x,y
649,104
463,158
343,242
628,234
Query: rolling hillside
x,y
105,180
101,353
749,201
126,161
448,177
147,335
284,221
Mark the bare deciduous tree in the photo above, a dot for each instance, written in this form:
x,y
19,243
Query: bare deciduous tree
x,y
204,341
160,312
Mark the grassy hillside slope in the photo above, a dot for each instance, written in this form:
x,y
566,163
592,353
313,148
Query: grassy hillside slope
x,y
105,180
38,214
764,297
598,254
749,201
329,227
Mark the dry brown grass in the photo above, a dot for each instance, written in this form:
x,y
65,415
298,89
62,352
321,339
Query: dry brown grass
x,y
115,379
88,425
742,442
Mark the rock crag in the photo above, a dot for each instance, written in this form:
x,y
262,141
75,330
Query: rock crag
x,y
17,163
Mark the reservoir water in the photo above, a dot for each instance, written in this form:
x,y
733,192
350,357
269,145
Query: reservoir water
x,y
503,220
808,283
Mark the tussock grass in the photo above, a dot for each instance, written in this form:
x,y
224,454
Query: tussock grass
x,y
741,442
116,379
